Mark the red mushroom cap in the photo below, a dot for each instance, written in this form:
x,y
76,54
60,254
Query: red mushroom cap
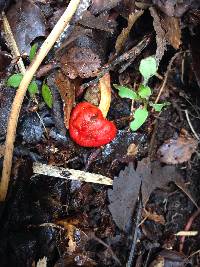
x,y
88,127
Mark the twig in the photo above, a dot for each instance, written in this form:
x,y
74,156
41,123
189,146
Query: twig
x,y
12,44
92,236
70,174
131,54
19,97
15,53
190,124
167,74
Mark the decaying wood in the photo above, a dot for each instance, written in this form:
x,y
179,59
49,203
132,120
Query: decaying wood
x,y
70,174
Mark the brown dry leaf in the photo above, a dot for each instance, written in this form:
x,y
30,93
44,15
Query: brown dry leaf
x,y
121,39
160,34
102,22
173,30
176,8
70,234
66,89
132,150
27,22
154,217
126,187
92,95
80,61
179,150
42,262
169,258
105,89
99,6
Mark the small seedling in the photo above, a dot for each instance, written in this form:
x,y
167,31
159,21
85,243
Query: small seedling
x,y
148,68
33,51
47,95
15,80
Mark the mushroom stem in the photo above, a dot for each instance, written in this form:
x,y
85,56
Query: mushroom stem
x,y
105,90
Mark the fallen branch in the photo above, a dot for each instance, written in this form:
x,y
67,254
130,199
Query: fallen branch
x,y
70,174
19,97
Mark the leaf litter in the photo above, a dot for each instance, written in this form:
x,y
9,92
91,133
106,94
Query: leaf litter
x,y
88,53
177,150
126,186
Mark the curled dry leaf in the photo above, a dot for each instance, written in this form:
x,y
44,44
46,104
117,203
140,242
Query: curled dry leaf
x,y
179,150
27,22
66,89
173,30
160,34
126,187
122,38
105,89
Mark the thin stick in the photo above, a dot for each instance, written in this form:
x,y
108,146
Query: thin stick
x,y
12,43
10,39
166,75
70,174
17,103
190,124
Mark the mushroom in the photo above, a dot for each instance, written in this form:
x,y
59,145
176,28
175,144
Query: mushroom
x,y
88,125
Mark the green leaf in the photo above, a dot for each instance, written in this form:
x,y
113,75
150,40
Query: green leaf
x,y
148,68
15,80
125,92
140,117
144,91
47,95
159,107
33,51
33,88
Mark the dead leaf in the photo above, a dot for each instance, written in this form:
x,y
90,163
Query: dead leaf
x,y
80,61
102,22
179,150
99,6
169,258
92,95
132,150
160,34
42,262
66,89
70,234
153,216
27,22
126,187
121,39
173,30
176,8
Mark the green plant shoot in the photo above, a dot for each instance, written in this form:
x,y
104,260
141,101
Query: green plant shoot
x,y
148,68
